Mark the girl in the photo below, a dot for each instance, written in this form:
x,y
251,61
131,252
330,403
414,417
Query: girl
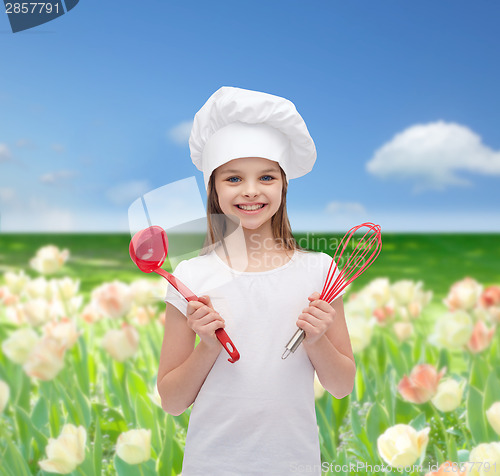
x,y
256,416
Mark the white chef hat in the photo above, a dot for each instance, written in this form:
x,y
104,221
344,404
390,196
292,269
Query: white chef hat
x,y
236,123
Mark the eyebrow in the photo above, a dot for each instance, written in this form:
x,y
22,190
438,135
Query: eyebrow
x,y
234,171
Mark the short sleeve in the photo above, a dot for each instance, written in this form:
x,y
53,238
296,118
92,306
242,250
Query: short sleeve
x,y
173,296
330,269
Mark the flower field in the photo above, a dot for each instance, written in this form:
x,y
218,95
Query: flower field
x,y
81,330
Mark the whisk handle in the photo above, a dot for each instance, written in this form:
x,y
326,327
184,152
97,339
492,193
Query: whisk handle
x,y
293,343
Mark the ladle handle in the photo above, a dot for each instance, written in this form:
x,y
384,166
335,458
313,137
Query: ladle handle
x,y
226,342
190,296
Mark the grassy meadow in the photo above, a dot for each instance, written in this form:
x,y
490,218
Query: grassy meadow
x,y
108,396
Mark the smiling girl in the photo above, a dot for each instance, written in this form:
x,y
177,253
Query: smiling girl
x,y
255,416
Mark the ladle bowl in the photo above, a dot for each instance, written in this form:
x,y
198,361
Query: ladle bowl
x,y
148,248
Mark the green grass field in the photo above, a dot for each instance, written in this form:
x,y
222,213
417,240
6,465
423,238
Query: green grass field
x,y
436,259
107,397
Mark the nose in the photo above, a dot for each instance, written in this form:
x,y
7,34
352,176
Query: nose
x,y
251,189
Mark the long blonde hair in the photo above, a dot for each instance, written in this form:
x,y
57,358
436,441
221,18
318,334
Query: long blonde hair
x,y
218,229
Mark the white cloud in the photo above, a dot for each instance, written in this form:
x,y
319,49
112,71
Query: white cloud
x,y
180,133
7,194
4,153
52,178
345,207
125,193
25,143
58,147
432,155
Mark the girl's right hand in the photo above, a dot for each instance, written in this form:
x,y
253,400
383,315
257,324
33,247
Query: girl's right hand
x,y
204,320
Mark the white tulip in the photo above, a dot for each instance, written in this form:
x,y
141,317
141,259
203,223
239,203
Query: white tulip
x,y
401,445
486,458
16,314
134,446
16,281
39,288
361,305
67,308
66,452
145,291
403,330
452,330
49,259
379,290
403,291
65,288
493,416
449,395
121,343
19,344
39,311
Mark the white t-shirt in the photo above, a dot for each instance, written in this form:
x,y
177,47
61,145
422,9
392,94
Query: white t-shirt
x,y
256,416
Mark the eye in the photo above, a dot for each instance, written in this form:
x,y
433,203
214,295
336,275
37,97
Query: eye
x,y
230,179
268,177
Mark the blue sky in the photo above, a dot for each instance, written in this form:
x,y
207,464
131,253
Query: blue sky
x,y
401,99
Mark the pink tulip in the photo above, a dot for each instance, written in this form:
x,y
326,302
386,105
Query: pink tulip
x,y
490,297
446,469
383,314
112,299
63,330
480,338
422,383
46,359
7,298
490,300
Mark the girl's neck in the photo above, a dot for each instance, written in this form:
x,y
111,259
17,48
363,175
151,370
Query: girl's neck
x,y
254,250
259,240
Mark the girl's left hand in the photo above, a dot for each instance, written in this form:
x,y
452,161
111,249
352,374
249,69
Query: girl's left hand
x,y
316,318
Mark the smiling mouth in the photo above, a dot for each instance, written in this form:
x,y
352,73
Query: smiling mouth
x,y
251,208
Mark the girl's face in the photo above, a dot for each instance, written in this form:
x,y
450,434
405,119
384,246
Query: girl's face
x,y
249,188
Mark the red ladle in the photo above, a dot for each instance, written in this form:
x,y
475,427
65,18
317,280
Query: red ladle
x,y
148,250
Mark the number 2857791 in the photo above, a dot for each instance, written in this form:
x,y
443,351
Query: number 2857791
x,y
31,7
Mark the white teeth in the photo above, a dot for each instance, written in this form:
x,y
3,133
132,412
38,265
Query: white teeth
x,y
250,208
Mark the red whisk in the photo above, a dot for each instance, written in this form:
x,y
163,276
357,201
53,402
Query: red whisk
x,y
363,255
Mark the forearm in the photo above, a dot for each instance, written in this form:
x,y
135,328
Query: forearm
x,y
179,388
335,370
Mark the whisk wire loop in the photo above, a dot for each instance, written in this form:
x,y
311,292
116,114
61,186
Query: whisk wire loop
x,y
370,242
